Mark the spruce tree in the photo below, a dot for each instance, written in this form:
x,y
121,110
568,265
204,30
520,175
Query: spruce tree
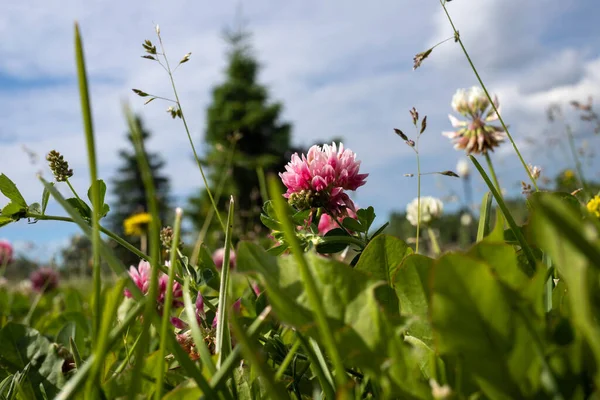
x,y
129,194
241,110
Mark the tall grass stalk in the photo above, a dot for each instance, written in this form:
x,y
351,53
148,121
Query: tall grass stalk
x,y
86,112
205,355
578,168
166,321
187,130
223,335
309,284
509,218
153,233
459,40
488,159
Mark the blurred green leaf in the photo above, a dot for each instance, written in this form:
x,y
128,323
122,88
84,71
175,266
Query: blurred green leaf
x,y
411,282
23,347
83,209
13,210
382,256
474,317
45,198
353,225
361,310
9,189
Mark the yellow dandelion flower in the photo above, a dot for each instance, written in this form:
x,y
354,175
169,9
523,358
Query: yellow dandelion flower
x,y
569,174
593,206
136,224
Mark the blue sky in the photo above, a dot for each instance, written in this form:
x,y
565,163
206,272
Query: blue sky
x,y
340,68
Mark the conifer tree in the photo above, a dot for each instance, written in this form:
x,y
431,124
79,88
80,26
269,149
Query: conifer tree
x,y
241,111
129,195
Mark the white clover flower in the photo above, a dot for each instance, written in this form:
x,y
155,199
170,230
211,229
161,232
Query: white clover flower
x,y
476,134
460,101
466,219
477,99
535,171
431,209
462,168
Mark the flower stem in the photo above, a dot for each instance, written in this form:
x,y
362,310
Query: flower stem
x,y
457,36
434,242
73,190
493,172
418,195
187,130
164,329
576,159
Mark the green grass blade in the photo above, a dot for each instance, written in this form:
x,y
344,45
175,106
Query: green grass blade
x,y
308,280
166,322
154,243
223,345
113,300
509,218
223,373
484,216
86,111
76,382
205,355
252,353
317,369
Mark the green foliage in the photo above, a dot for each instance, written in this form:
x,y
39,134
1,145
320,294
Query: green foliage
x,y
25,351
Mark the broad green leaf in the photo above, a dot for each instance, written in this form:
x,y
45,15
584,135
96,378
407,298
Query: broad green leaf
x,y
45,198
13,209
270,222
361,310
35,208
81,207
382,256
23,346
9,189
101,190
353,225
366,216
411,282
502,258
474,317
4,220
573,245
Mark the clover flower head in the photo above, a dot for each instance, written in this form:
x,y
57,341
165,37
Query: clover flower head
x,y
322,177
219,257
141,277
44,280
477,134
6,252
431,209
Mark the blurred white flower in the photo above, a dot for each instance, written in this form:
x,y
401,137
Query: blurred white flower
x,y
462,168
431,209
439,391
466,219
460,101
